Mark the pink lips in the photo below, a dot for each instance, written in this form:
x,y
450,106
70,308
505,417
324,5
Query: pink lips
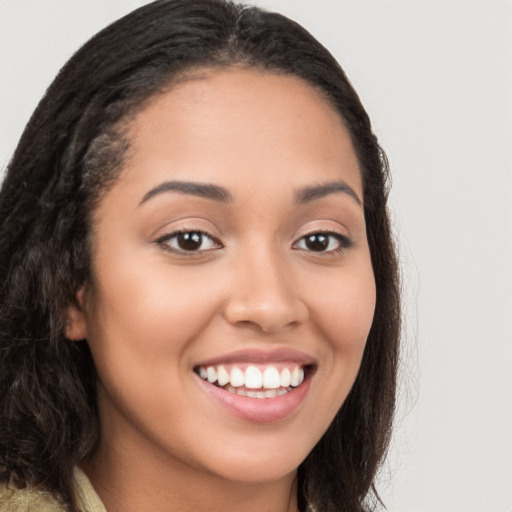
x,y
264,410
261,357
260,410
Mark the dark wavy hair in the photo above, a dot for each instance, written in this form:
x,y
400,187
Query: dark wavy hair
x,y
71,151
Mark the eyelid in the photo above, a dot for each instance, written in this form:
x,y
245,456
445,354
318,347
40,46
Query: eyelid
x,y
344,240
163,240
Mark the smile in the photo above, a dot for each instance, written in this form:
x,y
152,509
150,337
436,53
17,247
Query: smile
x,y
254,381
258,386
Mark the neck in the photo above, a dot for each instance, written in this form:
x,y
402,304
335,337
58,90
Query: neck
x,y
160,486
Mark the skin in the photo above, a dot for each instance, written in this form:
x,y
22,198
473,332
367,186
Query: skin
x,y
151,313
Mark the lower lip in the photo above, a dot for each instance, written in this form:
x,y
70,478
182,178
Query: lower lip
x,y
259,410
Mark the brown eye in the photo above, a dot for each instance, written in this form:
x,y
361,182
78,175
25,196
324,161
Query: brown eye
x,y
323,242
188,242
191,241
317,242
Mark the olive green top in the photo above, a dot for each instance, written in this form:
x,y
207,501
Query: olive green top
x,y
39,500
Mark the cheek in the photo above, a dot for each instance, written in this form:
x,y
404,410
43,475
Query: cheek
x,y
343,311
155,307
345,307
142,321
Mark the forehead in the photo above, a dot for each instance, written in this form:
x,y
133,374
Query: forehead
x,y
240,124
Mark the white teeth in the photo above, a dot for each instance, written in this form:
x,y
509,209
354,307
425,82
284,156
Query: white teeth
x,y
253,378
271,378
237,377
269,393
267,382
222,376
211,374
294,379
285,377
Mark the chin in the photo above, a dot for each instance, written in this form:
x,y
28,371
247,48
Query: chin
x,y
260,472
270,461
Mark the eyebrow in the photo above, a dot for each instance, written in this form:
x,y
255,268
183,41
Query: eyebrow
x,y
205,190
217,193
310,193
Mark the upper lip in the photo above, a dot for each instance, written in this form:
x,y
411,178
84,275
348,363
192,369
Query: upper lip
x,y
261,357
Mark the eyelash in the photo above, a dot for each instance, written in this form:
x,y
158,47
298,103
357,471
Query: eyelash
x,y
195,235
343,241
165,240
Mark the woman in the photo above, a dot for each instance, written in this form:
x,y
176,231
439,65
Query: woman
x,y
199,292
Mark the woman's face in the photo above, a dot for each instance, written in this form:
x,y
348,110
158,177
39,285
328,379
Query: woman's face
x,y
230,259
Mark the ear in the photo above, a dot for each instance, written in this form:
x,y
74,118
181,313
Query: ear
x,y
76,324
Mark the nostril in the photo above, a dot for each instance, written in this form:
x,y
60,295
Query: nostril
x,y
267,317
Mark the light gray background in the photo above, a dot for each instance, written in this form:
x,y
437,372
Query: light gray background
x,y
436,78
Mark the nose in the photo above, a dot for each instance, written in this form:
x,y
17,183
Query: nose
x,y
264,296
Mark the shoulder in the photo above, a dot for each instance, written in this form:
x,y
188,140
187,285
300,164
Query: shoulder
x,y
27,500
36,499
87,499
